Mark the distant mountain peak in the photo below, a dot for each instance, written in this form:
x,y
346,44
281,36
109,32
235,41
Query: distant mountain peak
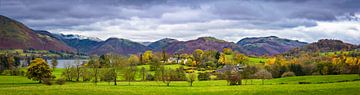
x,y
15,35
162,43
270,45
209,38
324,45
80,37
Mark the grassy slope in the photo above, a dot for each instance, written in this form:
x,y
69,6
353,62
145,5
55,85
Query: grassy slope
x,y
21,85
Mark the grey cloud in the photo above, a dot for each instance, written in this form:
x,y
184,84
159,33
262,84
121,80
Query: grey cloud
x,y
179,16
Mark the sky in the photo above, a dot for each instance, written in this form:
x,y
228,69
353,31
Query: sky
x,y
230,20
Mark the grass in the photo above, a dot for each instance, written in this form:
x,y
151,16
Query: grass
x,y
17,85
256,60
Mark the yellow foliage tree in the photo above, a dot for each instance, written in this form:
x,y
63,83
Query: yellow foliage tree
x,y
38,70
147,56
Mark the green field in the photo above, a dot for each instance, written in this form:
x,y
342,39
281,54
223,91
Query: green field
x,y
333,84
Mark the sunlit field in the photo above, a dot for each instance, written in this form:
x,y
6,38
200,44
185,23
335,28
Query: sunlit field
x,y
328,85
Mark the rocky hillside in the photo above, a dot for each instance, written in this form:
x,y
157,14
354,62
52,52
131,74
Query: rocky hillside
x,y
162,44
118,46
15,35
268,45
204,43
324,45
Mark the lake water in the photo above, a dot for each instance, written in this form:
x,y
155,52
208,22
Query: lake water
x,y
63,62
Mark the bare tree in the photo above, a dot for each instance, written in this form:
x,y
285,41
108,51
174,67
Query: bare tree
x,y
143,73
117,62
191,78
77,66
54,63
263,74
131,70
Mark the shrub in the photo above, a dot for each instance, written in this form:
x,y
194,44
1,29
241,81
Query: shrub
x,y
150,77
201,69
288,74
203,76
220,76
233,78
14,72
47,81
6,72
189,71
60,81
304,82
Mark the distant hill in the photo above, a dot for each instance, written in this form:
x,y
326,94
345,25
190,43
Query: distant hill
x,y
118,46
270,45
204,43
145,43
15,35
81,43
324,45
163,43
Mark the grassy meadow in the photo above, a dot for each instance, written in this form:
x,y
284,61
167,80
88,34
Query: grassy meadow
x,y
328,85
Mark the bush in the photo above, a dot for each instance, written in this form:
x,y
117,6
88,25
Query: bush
x,y
201,69
304,82
47,81
288,74
220,76
150,77
189,71
60,81
15,72
6,72
203,76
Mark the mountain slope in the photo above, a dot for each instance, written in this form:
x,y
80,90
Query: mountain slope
x,y
204,43
268,45
15,35
160,44
81,43
118,46
324,45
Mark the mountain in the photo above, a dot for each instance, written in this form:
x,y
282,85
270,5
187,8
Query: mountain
x,y
81,43
270,45
15,35
145,43
160,44
324,45
118,46
204,43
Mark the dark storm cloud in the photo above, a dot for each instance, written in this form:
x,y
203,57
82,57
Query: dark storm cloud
x,y
167,16
47,13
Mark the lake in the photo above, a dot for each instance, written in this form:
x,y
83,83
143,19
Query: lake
x,y
63,62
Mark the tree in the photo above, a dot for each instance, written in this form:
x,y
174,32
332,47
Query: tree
x,y
54,63
38,70
263,74
95,65
131,70
117,62
168,76
77,67
198,56
147,56
241,59
143,73
203,76
248,72
164,56
227,51
68,72
191,78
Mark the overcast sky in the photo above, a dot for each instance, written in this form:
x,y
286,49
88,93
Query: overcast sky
x,y
231,20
